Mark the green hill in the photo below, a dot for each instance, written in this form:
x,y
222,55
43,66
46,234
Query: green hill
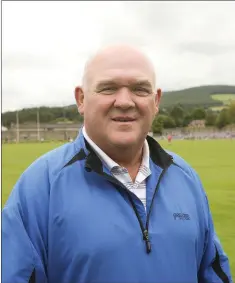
x,y
208,96
215,97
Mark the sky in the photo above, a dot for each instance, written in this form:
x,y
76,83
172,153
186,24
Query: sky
x,y
46,44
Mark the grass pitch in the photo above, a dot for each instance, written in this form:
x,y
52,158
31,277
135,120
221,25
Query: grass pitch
x,y
214,160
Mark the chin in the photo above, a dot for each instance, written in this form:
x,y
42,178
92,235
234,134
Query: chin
x,y
124,140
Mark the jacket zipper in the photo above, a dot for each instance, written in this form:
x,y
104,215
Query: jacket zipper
x,y
144,230
148,243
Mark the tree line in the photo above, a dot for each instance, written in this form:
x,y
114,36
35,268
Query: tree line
x,y
176,116
46,115
179,116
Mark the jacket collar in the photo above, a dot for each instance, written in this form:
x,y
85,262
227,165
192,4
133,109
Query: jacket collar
x,y
84,151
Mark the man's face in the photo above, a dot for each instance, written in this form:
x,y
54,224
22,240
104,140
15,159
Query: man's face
x,y
119,102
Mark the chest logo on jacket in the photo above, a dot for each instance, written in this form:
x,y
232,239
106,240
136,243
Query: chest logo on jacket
x,y
181,216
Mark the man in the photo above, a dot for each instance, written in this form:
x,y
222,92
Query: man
x,y
169,138
112,206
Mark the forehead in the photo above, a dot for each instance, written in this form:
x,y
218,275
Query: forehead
x,y
121,69
119,76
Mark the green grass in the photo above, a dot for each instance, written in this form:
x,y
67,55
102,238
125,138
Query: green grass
x,y
217,108
213,160
16,158
225,98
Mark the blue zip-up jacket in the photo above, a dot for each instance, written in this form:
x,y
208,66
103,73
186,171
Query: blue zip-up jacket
x,y
68,220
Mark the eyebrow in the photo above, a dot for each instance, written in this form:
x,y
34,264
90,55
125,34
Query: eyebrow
x,y
105,83
144,83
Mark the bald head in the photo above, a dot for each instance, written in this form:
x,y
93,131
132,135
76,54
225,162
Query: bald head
x,y
116,56
118,80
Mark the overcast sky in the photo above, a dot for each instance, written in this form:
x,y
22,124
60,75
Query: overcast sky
x,y
45,44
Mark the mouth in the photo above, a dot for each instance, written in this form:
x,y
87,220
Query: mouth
x,y
124,119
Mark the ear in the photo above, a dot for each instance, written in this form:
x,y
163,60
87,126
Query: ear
x,y
157,99
79,96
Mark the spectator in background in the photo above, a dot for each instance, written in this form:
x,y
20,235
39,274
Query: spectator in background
x,y
169,138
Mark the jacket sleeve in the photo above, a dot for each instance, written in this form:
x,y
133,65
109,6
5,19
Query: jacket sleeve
x,y
215,264
24,228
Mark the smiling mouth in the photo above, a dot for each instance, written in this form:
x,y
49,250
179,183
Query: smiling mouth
x,y
123,119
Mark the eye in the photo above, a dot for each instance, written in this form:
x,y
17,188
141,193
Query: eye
x,y
108,90
141,91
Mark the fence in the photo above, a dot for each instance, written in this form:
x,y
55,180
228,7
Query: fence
x,y
66,134
33,135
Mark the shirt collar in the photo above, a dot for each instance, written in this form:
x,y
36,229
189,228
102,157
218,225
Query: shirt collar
x,y
110,163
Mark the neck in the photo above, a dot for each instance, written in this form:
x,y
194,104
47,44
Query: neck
x,y
126,157
130,158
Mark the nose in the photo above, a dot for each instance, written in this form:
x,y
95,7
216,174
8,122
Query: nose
x,y
124,99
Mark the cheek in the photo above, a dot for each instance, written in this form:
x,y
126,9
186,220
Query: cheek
x,y
153,107
97,106
148,108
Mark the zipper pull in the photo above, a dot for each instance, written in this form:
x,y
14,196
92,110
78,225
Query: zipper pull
x,y
147,242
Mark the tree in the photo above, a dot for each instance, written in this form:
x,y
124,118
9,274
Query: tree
x,y
169,122
231,113
187,119
157,126
47,115
210,118
222,119
199,114
163,111
177,113
166,121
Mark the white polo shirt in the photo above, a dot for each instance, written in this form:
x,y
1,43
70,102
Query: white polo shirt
x,y
121,174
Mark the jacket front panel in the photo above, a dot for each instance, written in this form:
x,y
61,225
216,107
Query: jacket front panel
x,y
103,232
